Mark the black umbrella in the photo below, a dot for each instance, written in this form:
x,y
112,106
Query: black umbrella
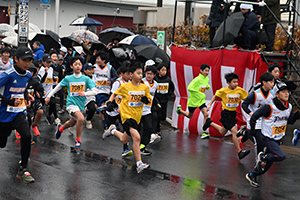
x,y
52,34
67,42
97,46
232,27
155,53
46,40
107,35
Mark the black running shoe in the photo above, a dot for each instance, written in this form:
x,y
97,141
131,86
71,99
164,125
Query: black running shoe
x,y
243,153
241,132
145,152
252,180
207,124
49,120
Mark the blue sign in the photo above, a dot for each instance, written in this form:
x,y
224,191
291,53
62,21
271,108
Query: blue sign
x,y
24,2
45,1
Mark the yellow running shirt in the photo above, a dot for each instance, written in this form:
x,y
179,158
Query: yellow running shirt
x,y
131,105
231,98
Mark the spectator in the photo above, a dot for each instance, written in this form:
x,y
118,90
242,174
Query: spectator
x,y
38,50
248,38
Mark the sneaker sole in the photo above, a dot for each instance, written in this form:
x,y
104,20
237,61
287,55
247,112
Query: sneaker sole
x,y
258,162
148,166
294,141
242,129
127,154
251,183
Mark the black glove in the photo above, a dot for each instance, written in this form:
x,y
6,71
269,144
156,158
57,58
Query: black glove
x,y
252,132
115,104
109,106
8,101
145,100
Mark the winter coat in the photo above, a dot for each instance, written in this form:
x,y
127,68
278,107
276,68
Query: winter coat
x,y
216,16
274,5
38,53
251,22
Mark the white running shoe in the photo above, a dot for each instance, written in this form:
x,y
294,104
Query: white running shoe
x,y
108,131
141,167
154,137
57,121
89,125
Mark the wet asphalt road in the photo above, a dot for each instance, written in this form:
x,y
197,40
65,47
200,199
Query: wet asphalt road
x,y
182,167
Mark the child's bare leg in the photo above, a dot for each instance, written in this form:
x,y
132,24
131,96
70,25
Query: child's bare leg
x,y
136,143
79,124
205,114
219,128
70,123
187,114
38,116
123,137
235,139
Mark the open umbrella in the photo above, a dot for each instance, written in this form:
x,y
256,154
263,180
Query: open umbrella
x,y
67,41
85,35
109,34
55,36
32,28
232,28
48,41
11,40
155,53
97,46
136,40
85,21
7,30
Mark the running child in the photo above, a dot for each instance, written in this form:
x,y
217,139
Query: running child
x,y
197,97
47,79
164,91
105,75
13,83
275,117
134,95
77,85
112,117
231,97
254,101
5,60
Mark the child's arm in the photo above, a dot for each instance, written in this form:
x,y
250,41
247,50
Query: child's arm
x,y
112,97
211,102
263,111
55,90
249,100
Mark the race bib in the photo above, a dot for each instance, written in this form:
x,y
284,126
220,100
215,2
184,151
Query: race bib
x,y
278,129
76,87
163,88
101,83
134,98
203,88
49,81
233,100
21,107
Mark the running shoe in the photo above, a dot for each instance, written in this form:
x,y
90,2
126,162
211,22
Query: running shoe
x,y
32,142
296,137
178,109
77,146
145,152
243,153
58,133
35,130
241,131
127,153
101,109
205,135
71,130
252,180
108,133
18,136
25,176
261,162
141,167
154,138
89,125
207,124
57,121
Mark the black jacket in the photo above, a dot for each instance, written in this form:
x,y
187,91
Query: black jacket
x,y
164,79
34,86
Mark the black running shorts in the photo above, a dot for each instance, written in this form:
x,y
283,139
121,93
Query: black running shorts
x,y
228,119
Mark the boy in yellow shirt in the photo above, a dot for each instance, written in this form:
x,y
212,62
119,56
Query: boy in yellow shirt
x,y
134,96
231,97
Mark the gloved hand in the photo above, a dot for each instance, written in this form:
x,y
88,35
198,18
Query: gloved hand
x,y
145,100
109,106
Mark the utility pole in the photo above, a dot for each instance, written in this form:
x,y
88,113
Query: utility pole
x,y
187,12
16,12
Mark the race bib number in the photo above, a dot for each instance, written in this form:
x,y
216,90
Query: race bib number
x,y
21,107
134,98
118,99
76,87
278,130
101,83
163,88
49,81
203,88
233,101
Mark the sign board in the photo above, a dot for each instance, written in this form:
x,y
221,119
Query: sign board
x,y
45,1
161,39
23,21
45,6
